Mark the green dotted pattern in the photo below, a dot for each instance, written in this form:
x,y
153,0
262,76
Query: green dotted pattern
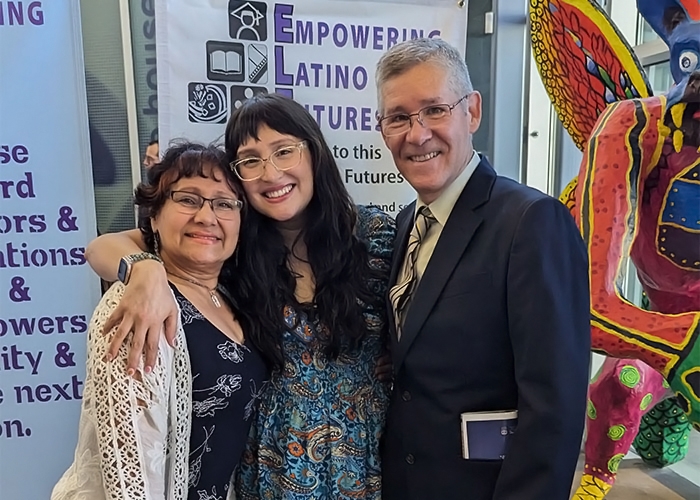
x,y
614,462
629,376
592,413
616,432
663,434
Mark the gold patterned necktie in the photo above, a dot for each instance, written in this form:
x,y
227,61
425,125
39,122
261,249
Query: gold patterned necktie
x,y
401,292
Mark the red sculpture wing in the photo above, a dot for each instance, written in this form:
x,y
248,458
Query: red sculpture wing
x,y
584,62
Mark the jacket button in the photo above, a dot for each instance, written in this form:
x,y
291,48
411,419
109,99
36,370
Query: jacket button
x,y
409,459
406,396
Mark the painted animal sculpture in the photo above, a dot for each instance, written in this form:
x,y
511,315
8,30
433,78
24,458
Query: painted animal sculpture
x,y
638,195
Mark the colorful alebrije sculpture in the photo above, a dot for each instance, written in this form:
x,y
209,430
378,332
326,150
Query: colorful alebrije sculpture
x,y
637,196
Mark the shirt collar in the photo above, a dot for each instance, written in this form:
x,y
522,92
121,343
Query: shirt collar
x,y
442,207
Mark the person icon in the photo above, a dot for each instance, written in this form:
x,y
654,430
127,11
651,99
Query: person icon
x,y
249,18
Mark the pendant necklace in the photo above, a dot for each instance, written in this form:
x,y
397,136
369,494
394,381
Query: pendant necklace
x,y
212,291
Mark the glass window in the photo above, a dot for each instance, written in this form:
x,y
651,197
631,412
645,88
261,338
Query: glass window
x,y
644,32
106,96
660,77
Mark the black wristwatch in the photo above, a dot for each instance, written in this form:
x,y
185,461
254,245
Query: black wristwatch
x,y
126,263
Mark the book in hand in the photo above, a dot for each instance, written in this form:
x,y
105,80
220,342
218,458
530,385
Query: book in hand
x,y
486,434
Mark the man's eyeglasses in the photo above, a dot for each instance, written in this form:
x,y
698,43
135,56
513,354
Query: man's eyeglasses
x,y
250,169
400,123
191,203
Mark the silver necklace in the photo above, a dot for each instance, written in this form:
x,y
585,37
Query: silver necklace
x,y
212,291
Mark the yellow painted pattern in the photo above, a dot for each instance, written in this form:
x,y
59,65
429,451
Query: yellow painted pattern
x,y
591,488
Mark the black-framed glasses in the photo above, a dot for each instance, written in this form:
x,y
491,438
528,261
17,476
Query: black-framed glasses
x,y
286,157
400,123
191,203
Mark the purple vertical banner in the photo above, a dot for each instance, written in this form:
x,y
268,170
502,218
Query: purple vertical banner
x,y
47,217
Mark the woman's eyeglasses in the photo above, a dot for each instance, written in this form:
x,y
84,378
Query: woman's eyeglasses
x,y
250,169
191,203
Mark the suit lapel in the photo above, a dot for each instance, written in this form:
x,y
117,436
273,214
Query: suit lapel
x,y
454,239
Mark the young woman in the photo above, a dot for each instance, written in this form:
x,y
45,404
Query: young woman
x,y
312,271
178,430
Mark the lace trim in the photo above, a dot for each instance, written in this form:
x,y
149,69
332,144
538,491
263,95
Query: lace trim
x,y
117,400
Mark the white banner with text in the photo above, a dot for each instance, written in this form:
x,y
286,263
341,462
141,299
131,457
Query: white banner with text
x,y
213,55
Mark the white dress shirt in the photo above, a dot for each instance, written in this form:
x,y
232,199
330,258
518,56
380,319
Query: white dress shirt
x,y
441,209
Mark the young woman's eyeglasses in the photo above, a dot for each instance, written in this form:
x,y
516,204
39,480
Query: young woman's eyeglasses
x,y
400,123
250,169
191,203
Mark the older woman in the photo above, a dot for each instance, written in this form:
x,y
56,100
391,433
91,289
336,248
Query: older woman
x,y
176,430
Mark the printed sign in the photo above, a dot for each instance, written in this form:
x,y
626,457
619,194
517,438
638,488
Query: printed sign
x,y
47,217
321,53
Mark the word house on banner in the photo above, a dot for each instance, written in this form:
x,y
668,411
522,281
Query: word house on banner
x,y
47,217
215,54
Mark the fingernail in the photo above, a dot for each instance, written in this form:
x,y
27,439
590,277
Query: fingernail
x,y
130,372
107,358
147,369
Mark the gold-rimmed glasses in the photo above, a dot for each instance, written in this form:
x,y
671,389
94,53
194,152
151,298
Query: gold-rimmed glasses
x,y
284,158
400,123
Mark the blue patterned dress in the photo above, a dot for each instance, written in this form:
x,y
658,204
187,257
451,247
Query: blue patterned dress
x,y
320,421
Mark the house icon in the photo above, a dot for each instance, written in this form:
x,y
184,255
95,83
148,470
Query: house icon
x,y
247,20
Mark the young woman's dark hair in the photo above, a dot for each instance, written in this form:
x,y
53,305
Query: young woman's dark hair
x,y
338,259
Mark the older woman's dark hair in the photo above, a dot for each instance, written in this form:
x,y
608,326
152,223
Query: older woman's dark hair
x,y
185,159
339,260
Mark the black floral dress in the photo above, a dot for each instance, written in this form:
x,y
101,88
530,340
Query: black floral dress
x,y
227,381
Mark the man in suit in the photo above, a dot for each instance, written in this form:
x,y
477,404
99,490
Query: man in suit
x,y
490,295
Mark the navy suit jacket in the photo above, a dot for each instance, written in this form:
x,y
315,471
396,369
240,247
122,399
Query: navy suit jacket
x,y
499,321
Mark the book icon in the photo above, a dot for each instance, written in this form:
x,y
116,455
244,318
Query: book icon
x,y
225,61
257,63
486,435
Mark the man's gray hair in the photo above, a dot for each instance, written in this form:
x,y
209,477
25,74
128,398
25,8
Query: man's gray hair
x,y
405,55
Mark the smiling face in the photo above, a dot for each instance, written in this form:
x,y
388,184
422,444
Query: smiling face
x,y
200,242
281,196
430,158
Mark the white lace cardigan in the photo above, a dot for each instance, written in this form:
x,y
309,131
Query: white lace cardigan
x,y
134,433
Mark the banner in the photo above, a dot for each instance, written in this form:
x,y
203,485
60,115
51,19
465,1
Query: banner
x,y
213,55
47,291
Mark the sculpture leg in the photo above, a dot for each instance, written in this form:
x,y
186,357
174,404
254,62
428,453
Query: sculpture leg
x,y
664,434
621,393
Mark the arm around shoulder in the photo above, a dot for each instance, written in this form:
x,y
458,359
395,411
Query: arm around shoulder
x,y
104,252
147,304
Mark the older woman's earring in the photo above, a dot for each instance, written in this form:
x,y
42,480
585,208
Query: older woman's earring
x,y
156,243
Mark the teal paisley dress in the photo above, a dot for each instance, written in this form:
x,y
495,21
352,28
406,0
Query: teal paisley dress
x,y
320,420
